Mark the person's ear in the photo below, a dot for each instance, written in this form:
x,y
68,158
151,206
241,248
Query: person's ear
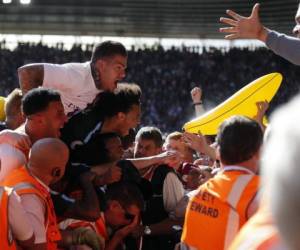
x,y
38,118
113,205
56,172
257,155
100,65
121,116
218,154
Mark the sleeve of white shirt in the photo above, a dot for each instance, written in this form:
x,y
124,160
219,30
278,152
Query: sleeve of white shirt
x,y
253,205
58,77
173,191
35,210
11,158
18,219
179,211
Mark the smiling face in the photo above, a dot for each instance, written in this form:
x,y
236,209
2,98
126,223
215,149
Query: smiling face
x,y
111,70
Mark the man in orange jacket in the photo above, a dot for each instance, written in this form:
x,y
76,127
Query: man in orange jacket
x,y
15,227
224,203
260,232
276,224
47,161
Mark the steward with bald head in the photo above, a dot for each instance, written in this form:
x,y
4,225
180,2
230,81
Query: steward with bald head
x,y
52,154
46,165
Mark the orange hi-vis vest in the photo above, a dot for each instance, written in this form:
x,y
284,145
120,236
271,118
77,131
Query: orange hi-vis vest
x,y
6,239
23,183
98,226
259,233
219,209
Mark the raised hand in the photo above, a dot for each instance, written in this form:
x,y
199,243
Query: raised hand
x,y
244,27
262,107
261,110
195,142
196,94
199,144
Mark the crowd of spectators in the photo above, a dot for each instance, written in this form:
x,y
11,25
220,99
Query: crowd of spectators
x,y
65,169
167,76
68,180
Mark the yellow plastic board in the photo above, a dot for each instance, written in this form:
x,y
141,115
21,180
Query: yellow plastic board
x,y
242,102
2,113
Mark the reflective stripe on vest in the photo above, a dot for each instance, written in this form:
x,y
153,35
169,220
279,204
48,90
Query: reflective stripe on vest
x,y
24,183
1,192
260,232
233,199
6,237
219,209
237,168
98,226
101,227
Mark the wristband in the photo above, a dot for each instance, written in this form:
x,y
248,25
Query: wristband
x,y
147,230
197,103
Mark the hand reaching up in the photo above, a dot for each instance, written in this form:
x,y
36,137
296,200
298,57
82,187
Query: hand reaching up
x,y
196,94
244,27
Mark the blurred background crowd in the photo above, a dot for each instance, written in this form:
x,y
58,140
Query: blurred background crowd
x,y
166,76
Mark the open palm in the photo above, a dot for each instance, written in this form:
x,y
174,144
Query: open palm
x,y
242,27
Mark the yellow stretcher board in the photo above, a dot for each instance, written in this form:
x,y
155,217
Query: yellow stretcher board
x,y
2,112
242,102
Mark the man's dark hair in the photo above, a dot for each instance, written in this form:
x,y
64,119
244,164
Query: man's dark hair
x,y
109,104
126,194
38,99
239,138
108,49
150,133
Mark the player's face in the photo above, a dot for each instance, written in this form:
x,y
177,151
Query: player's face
x,y
55,119
131,120
111,71
127,121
